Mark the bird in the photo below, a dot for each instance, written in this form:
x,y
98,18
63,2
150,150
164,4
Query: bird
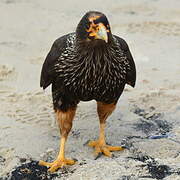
x,y
88,64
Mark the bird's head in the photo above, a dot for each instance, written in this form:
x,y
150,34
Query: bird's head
x,y
94,26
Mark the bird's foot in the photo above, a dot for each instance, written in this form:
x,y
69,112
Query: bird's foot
x,y
103,148
58,163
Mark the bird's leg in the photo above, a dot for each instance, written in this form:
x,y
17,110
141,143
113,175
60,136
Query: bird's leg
x,y
104,110
65,123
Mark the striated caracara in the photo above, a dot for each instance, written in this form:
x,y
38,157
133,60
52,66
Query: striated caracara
x,y
89,64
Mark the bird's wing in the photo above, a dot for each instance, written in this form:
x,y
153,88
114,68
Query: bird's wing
x,y
48,69
131,74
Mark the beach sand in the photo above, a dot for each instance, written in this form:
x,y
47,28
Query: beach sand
x,y
146,120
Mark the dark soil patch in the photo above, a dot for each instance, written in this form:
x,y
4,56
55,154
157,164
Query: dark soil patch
x,y
163,126
146,113
151,122
145,126
156,170
31,171
153,127
159,171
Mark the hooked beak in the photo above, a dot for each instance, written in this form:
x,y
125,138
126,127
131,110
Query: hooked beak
x,y
102,33
98,31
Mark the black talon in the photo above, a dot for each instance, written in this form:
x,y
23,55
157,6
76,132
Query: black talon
x,y
74,159
98,156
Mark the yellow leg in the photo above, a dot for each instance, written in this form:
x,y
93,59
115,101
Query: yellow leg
x,y
101,146
60,161
104,110
65,123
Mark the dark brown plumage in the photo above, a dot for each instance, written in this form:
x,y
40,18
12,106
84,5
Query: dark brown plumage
x,y
84,70
88,64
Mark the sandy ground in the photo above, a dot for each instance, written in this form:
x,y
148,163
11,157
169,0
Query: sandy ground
x,y
27,128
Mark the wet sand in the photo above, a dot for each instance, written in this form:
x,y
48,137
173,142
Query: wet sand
x,y
146,119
